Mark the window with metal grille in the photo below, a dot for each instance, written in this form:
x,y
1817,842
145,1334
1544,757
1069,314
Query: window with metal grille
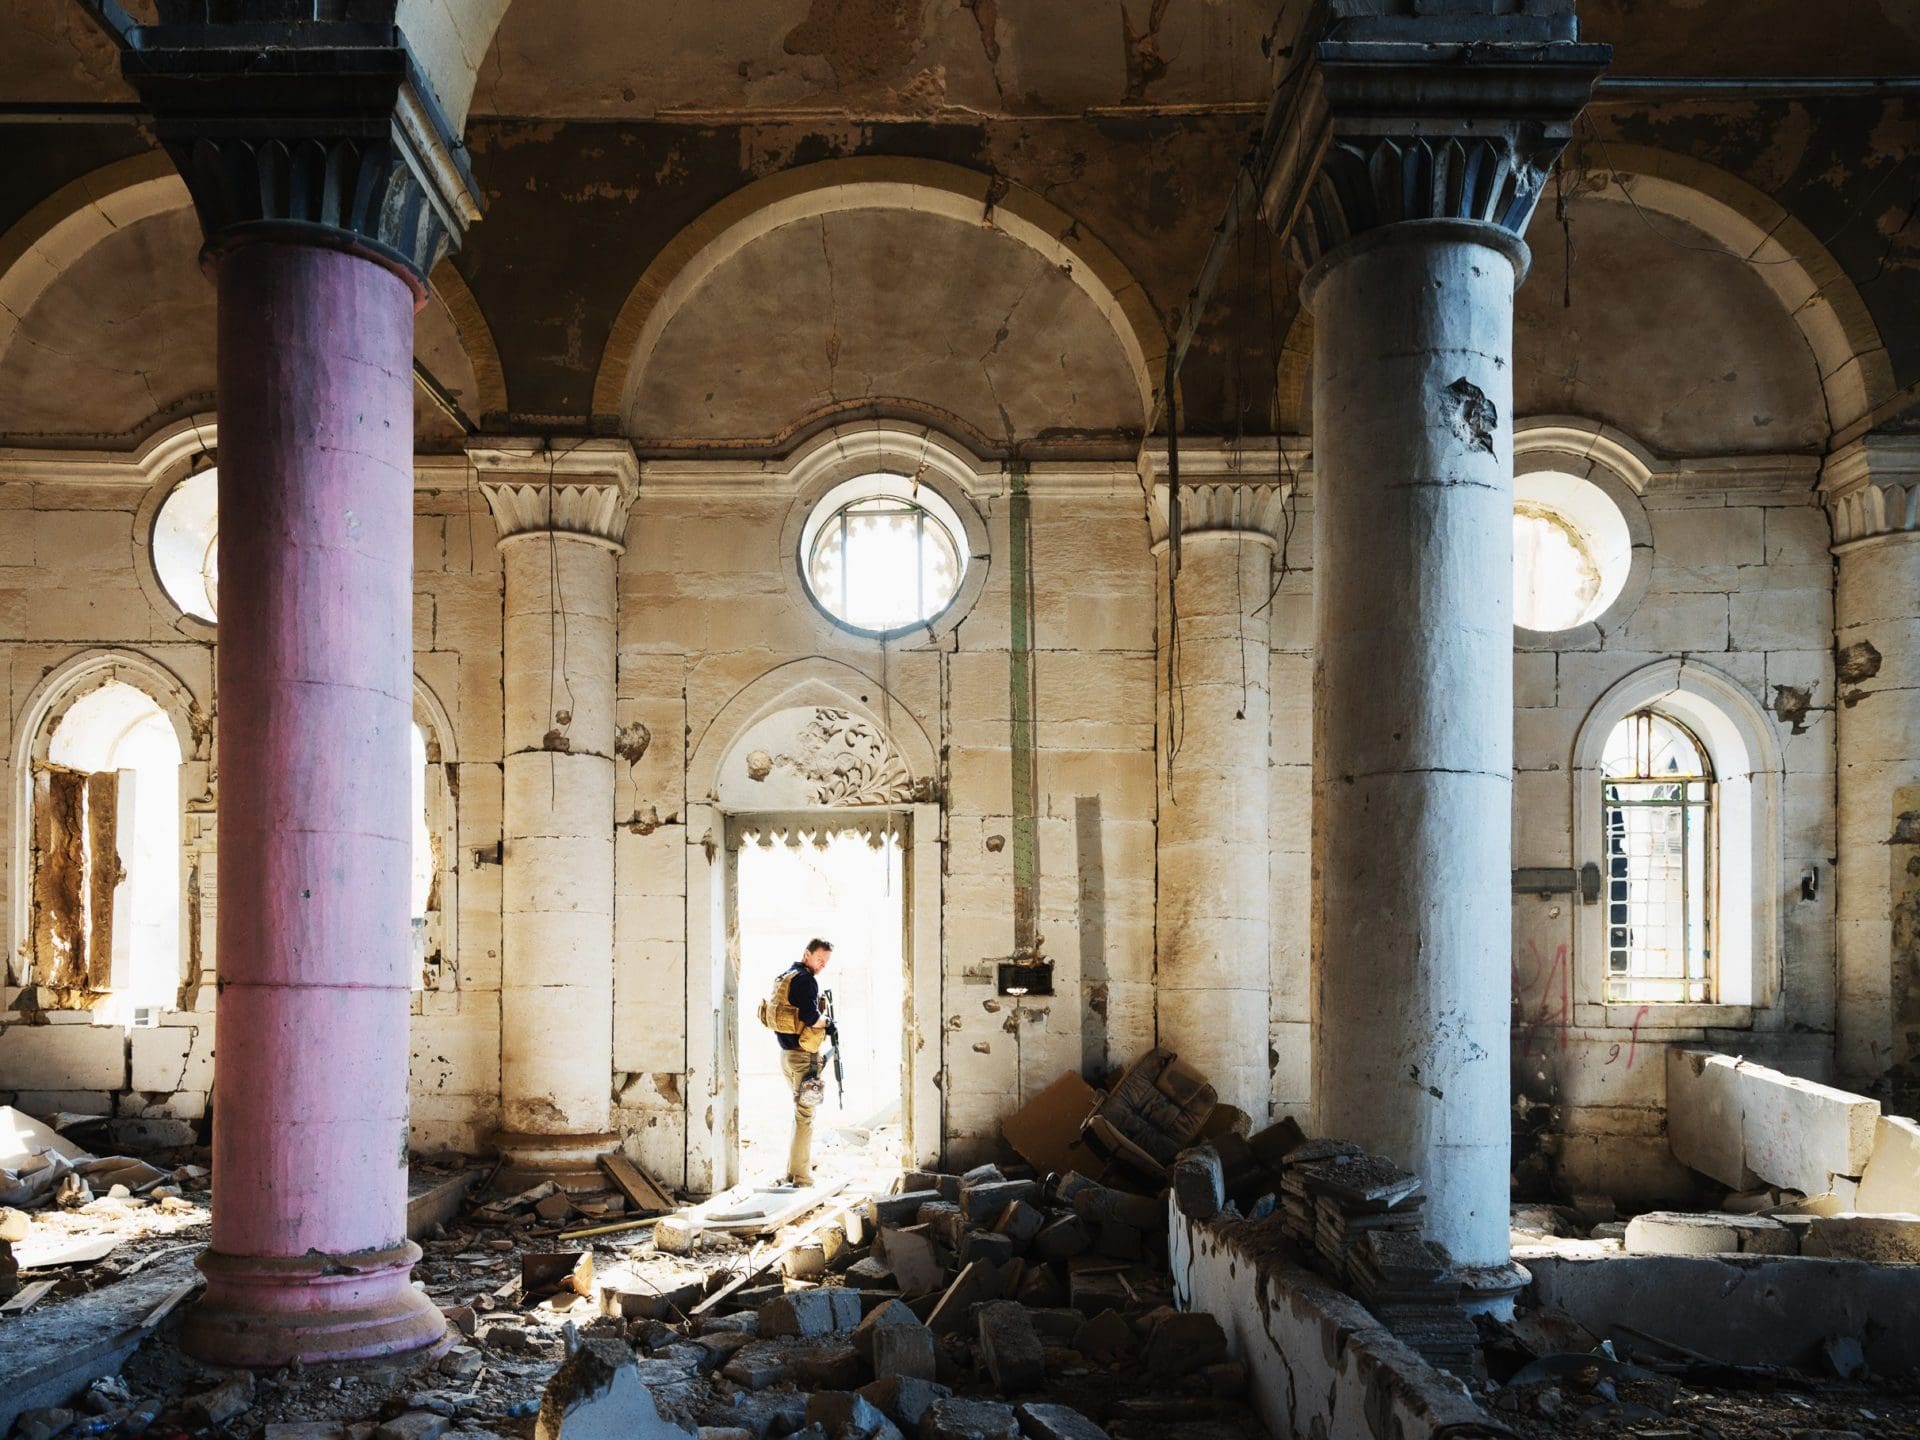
x,y
883,562
1657,807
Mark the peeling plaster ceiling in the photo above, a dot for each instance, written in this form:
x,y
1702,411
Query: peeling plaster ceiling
x,y
880,306
123,342
612,57
1669,337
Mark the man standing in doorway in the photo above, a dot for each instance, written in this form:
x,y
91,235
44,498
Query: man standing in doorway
x,y
800,1048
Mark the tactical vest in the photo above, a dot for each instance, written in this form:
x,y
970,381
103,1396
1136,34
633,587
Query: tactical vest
x,y
782,1016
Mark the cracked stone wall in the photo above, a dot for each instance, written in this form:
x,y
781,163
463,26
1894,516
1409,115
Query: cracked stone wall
x,y
1741,581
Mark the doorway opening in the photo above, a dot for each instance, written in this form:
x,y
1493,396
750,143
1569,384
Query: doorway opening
x,y
843,882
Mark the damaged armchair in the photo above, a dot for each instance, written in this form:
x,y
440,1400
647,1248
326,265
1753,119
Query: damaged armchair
x,y
1154,1111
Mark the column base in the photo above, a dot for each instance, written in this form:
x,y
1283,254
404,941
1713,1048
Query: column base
x,y
1490,1289
266,1311
570,1161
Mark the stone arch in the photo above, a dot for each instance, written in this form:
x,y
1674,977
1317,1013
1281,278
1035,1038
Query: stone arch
x,y
1856,373
1744,746
906,759
52,237
33,729
41,244
872,182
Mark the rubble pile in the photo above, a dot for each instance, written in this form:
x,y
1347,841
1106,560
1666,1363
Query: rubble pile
x,y
1358,1219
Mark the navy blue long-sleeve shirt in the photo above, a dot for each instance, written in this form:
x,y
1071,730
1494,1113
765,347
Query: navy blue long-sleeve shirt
x,y
804,995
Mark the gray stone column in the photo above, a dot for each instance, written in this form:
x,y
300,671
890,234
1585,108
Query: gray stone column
x,y
1872,490
1435,155
1214,895
563,522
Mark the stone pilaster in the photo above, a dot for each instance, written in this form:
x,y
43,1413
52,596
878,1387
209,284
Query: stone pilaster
x,y
563,521
1212,677
1419,139
327,189
1872,491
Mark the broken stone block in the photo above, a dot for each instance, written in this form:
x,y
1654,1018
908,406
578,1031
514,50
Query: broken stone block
x,y
982,1202
756,1365
1199,1183
826,1365
232,1397
676,1235
1270,1146
944,1219
414,1425
985,1245
14,1224
1120,1242
294,1430
804,1262
1662,1232
1057,1422
1102,1203
1020,1222
1010,1347
1094,1284
1883,1239
810,1313
1041,1289
904,1400
897,1210
977,1282
870,1274
905,1350
981,1175
1062,1239
913,1259
957,1419
724,1432
546,1272
1184,1342
1801,1135
848,1415
894,1312
1703,1115
596,1394
1891,1182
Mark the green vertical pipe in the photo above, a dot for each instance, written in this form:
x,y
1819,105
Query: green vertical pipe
x,y
1020,696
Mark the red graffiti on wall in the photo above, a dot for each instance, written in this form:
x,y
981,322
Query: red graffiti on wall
x,y
1544,994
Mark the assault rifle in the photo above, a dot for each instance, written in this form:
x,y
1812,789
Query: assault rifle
x,y
833,1039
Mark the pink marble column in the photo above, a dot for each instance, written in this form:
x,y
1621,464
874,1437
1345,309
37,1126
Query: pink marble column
x,y
310,1258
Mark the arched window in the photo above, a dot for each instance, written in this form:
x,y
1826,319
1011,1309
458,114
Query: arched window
x,y
1662,866
1677,785
107,851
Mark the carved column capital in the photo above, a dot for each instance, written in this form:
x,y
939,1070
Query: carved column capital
x,y
583,490
1224,490
323,132
1872,489
1403,114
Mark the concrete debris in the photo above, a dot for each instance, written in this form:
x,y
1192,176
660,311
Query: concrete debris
x,y
1057,1422
1010,1347
958,1419
597,1394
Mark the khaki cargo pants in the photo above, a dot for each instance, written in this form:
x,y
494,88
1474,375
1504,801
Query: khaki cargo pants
x,y
797,1065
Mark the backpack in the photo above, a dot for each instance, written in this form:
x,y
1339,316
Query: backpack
x,y
782,1017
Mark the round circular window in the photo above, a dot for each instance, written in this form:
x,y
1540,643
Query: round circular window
x,y
186,545
881,554
1572,551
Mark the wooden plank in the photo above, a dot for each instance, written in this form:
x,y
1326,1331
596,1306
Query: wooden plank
x,y
29,1296
615,1229
759,1265
638,1186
